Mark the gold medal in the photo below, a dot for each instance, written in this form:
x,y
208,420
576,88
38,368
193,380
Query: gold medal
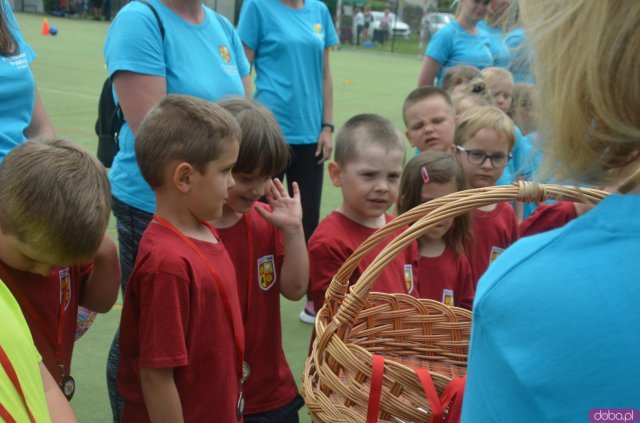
x,y
246,371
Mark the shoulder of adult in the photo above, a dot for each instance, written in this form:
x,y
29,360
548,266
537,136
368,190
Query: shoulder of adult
x,y
442,41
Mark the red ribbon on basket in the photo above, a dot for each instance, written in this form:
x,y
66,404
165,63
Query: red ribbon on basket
x,y
451,396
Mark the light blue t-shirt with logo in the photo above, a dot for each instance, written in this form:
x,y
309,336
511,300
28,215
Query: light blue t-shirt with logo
x,y
500,51
17,89
555,323
289,45
452,46
205,60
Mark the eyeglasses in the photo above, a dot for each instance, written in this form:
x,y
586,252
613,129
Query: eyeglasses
x,y
478,157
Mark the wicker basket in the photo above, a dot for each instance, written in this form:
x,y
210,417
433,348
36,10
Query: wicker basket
x,y
409,333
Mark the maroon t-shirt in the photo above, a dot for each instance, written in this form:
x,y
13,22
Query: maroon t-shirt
x,y
270,384
174,317
493,231
547,217
447,279
63,287
336,238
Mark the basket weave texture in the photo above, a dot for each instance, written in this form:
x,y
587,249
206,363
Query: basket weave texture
x,y
409,333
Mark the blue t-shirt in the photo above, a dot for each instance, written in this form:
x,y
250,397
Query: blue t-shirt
x,y
17,89
289,45
517,165
500,51
452,46
204,60
522,56
555,322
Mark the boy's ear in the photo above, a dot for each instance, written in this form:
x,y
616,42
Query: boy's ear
x,y
334,174
182,177
406,134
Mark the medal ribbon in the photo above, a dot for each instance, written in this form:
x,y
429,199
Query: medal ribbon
x,y
217,280
11,373
37,318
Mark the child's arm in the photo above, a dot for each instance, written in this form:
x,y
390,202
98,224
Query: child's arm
x,y
161,395
286,215
59,408
101,289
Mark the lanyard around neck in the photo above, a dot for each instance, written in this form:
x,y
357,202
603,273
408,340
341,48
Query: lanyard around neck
x,y
13,377
218,282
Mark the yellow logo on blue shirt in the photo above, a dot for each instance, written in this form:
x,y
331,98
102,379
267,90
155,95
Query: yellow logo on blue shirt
x,y
224,53
318,28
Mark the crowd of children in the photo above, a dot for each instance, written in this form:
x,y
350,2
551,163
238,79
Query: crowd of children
x,y
200,333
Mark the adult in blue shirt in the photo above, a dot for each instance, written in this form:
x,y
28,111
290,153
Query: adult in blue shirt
x,y
492,25
460,42
201,55
22,114
556,317
288,41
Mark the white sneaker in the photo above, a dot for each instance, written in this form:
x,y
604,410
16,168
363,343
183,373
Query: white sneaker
x,y
307,317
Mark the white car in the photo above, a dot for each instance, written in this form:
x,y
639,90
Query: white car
x,y
400,29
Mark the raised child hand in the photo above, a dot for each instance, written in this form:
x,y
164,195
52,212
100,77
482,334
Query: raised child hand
x,y
286,211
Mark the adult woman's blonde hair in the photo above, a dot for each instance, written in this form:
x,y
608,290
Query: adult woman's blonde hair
x,y
588,73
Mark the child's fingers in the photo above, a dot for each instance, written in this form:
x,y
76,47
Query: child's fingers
x,y
282,191
296,190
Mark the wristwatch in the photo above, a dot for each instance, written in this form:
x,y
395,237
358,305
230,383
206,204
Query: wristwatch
x,y
328,125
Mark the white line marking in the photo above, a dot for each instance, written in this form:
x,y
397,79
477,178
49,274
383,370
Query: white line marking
x,y
71,93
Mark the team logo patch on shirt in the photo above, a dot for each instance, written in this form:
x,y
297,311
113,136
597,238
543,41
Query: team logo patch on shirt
x,y
408,278
224,53
65,287
447,297
266,272
495,253
318,28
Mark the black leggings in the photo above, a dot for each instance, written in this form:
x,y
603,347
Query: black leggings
x,y
308,174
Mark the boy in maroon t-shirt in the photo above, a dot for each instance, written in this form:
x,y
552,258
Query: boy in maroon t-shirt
x,y
181,334
268,249
55,203
369,157
484,139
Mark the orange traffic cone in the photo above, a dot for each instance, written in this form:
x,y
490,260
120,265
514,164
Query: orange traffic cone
x,y
45,27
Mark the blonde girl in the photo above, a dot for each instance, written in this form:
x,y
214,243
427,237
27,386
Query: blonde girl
x,y
555,325
444,273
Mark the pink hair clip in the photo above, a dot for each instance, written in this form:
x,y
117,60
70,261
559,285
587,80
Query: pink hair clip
x,y
425,175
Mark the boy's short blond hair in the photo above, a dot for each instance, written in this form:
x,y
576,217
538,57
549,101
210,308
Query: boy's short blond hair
x,y
496,74
484,117
182,128
55,197
263,149
423,93
366,129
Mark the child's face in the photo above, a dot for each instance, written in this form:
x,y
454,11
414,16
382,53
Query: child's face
x,y
21,256
248,189
484,142
209,191
430,125
434,190
501,90
369,183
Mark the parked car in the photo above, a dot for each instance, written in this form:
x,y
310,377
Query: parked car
x,y
400,29
436,21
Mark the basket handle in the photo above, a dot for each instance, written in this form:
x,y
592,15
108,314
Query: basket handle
x,y
427,216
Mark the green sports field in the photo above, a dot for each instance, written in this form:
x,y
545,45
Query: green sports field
x,y
70,71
